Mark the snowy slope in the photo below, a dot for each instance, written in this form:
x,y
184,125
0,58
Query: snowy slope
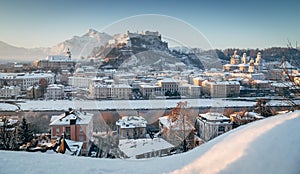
x,y
267,146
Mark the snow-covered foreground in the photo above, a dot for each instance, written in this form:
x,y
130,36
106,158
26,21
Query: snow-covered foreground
x,y
271,145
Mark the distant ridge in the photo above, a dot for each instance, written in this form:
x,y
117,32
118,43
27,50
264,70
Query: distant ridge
x,y
80,46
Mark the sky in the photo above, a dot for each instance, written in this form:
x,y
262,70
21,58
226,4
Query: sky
x,y
225,24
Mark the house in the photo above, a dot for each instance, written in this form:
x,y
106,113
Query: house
x,y
131,127
73,125
211,125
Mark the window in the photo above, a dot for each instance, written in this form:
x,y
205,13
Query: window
x,y
221,129
57,131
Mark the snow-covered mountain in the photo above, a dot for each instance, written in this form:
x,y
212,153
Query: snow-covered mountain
x,y
79,46
12,52
82,46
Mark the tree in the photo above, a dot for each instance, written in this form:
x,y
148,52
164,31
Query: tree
x,y
25,134
8,134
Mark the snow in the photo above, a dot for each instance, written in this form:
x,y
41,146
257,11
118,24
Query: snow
x,y
83,118
266,146
8,107
133,147
131,122
59,105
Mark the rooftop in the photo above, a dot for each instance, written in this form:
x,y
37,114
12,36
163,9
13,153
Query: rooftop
x,y
64,119
131,122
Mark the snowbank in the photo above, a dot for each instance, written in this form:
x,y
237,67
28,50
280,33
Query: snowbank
x,y
266,146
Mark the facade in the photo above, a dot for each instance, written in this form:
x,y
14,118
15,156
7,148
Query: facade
x,y
73,125
55,91
191,91
103,91
149,90
221,89
25,80
56,62
80,82
211,125
243,64
131,127
168,84
10,92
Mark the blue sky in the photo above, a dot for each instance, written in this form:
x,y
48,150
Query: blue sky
x,y
226,24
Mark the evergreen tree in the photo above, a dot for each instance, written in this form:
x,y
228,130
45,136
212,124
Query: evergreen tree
x,y
25,134
7,135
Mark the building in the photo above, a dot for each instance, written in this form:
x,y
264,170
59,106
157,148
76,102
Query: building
x,y
190,91
74,125
221,89
34,92
244,64
115,91
131,127
53,62
55,91
10,92
148,90
211,125
25,80
80,82
168,84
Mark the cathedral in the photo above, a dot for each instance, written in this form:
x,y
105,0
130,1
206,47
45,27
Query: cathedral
x,y
238,64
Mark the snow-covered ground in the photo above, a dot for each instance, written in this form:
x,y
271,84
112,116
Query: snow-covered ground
x,y
266,146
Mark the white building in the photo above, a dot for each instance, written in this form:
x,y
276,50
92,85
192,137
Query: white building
x,y
211,125
131,127
221,89
168,84
25,80
191,91
10,91
55,91
116,91
80,82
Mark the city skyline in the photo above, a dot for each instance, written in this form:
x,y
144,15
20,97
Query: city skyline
x,y
230,24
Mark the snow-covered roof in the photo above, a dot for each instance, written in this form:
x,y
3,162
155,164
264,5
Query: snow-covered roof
x,y
214,117
168,80
64,119
131,122
134,147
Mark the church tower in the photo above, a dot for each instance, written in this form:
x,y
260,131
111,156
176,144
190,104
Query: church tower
x,y
244,58
68,54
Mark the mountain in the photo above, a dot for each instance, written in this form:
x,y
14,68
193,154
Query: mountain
x,y
12,52
79,46
82,46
